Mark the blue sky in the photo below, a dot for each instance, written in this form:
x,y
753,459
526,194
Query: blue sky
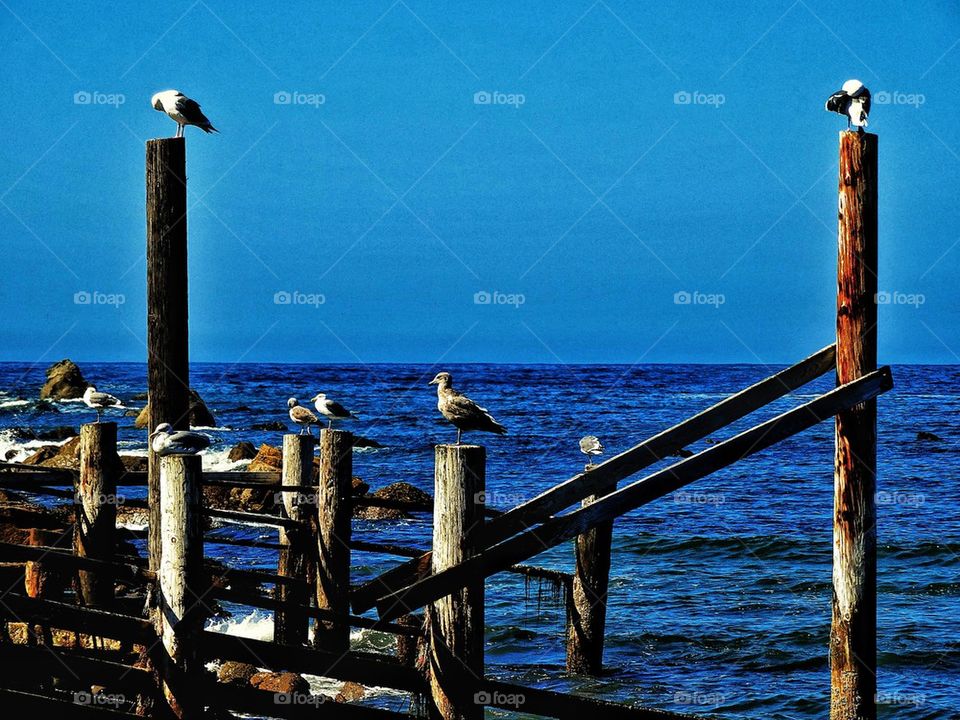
x,y
619,155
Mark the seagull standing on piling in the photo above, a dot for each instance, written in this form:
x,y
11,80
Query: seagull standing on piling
x,y
460,410
331,409
590,445
99,401
301,416
852,100
165,441
182,110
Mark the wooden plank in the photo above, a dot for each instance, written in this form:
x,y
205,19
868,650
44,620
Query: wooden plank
x,y
27,660
66,616
64,559
853,635
95,527
290,625
634,495
251,518
21,704
613,470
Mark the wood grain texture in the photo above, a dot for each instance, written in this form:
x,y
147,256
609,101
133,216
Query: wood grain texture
x,y
853,644
95,528
290,626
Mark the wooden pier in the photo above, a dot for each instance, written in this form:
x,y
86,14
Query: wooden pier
x,y
148,644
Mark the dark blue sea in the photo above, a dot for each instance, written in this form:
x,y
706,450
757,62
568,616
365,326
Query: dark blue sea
x,y
719,596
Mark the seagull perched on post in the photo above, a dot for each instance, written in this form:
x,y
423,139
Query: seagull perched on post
x,y
301,416
165,441
852,100
182,110
331,409
463,412
591,445
99,401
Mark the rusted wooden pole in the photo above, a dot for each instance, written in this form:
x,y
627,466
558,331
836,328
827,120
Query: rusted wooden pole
x,y
456,621
587,605
290,627
333,538
853,639
168,371
180,582
95,528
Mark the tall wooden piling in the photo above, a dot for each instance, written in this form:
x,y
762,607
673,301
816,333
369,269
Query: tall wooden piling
x,y
291,627
456,621
334,510
853,642
180,581
95,527
168,372
587,610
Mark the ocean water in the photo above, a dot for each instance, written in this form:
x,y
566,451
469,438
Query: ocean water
x,y
719,595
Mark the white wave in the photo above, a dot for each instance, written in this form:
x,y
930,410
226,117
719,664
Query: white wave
x,y
22,448
211,428
217,460
14,403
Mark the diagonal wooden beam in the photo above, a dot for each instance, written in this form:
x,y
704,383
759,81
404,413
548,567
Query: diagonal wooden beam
x,y
559,529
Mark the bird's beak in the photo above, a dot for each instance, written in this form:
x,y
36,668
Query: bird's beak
x,y
434,382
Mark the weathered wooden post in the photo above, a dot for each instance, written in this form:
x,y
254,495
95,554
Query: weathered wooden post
x,y
181,581
291,627
853,640
587,605
456,621
168,370
95,527
334,510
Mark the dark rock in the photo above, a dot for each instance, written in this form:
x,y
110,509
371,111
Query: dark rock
x,y
132,413
362,442
61,432
236,673
373,512
924,436
42,454
139,396
9,454
64,382
200,416
242,451
274,425
134,463
18,516
22,433
359,487
286,683
350,692
398,492
45,406
267,459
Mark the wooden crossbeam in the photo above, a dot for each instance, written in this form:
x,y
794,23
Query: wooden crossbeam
x,y
615,469
558,529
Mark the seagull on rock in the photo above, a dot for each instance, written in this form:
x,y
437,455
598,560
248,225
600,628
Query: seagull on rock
x,y
852,100
182,110
460,410
99,401
590,445
165,441
331,409
301,416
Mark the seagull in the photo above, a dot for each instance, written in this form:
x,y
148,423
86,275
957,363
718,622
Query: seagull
x,y
301,416
463,412
99,401
182,109
591,445
330,409
165,441
852,100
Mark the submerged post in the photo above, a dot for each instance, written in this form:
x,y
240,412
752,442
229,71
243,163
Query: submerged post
x,y
180,581
853,640
456,621
168,372
333,539
587,609
290,626
94,534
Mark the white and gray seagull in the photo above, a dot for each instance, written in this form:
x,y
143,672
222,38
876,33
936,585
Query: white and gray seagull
x,y
182,110
460,410
164,440
331,409
99,401
853,101
590,445
301,416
